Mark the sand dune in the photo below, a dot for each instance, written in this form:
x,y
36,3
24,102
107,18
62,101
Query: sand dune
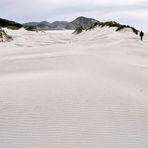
x,y
59,90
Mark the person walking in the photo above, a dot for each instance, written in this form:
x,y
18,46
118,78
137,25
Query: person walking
x,y
141,35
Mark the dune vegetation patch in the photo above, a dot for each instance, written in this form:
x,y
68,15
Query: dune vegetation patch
x,y
78,30
10,24
31,28
4,36
118,26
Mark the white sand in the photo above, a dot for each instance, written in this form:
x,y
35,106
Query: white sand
x,y
59,90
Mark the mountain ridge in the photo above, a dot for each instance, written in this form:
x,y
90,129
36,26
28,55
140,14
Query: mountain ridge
x,y
61,25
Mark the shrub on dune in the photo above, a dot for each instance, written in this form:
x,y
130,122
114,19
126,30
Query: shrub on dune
x,y
4,36
78,30
31,28
113,24
10,24
125,26
109,24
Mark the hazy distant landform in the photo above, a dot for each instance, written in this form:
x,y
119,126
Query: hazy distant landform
x,y
61,25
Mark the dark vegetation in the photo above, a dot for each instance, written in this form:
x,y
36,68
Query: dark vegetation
x,y
79,29
113,24
9,24
126,26
4,36
31,28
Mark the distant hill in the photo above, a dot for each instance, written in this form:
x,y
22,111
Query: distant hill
x,y
36,23
82,21
60,25
9,24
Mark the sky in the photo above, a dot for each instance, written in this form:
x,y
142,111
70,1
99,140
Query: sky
x,y
130,12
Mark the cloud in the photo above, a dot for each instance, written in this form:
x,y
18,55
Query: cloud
x,y
51,10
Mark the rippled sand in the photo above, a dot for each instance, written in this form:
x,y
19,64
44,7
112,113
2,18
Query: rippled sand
x,y
59,90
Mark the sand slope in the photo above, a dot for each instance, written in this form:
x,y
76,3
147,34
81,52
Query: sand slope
x,y
58,90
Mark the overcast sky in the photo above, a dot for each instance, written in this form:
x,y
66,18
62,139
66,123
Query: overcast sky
x,y
132,12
